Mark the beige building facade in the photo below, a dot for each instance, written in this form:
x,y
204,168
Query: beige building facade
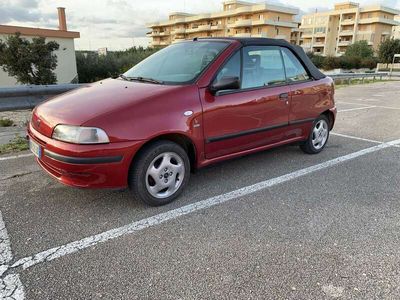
x,y
66,70
396,29
237,19
331,32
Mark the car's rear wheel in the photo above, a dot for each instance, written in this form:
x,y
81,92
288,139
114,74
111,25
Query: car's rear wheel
x,y
160,173
319,136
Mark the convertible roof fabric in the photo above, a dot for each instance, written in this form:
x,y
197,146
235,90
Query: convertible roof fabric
x,y
297,50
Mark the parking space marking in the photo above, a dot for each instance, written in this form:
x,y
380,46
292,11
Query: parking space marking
x,y
355,138
367,106
88,242
345,102
15,156
353,109
10,284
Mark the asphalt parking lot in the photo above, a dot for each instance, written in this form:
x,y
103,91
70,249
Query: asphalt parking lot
x,y
275,225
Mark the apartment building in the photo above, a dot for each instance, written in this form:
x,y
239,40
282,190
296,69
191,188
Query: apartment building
x,y
331,32
396,29
237,19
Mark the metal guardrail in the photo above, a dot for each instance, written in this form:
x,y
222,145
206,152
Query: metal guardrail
x,y
362,76
28,96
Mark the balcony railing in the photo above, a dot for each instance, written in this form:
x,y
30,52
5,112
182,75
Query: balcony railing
x,y
346,32
244,34
348,21
344,43
178,31
242,23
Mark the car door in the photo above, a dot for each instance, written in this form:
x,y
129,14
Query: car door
x,y
254,115
305,104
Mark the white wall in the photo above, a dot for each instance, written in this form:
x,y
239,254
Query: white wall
x,y
66,62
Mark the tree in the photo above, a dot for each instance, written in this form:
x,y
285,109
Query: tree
x,y
30,62
93,67
359,49
388,49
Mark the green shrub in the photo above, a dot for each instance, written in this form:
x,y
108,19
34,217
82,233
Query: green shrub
x,y
6,122
369,63
388,49
93,67
330,63
360,49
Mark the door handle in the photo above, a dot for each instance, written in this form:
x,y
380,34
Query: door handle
x,y
284,96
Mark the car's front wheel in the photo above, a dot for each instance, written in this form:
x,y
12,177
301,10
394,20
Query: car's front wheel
x,y
160,173
319,136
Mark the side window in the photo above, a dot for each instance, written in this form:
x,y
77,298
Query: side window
x,y
262,66
231,68
294,69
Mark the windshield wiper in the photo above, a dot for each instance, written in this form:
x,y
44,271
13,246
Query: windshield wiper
x,y
123,77
144,79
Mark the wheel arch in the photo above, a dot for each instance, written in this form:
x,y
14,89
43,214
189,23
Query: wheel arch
x,y
182,140
331,118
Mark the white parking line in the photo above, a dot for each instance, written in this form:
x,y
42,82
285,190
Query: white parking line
x,y
15,156
60,251
367,106
345,102
355,138
358,108
10,285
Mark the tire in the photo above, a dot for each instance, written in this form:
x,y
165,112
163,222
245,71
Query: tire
x,y
160,173
319,136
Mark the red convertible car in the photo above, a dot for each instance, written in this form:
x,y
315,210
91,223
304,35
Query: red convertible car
x,y
187,106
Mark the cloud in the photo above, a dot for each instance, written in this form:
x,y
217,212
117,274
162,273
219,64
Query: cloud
x,y
21,11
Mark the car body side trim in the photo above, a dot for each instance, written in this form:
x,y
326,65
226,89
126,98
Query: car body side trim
x,y
82,160
256,130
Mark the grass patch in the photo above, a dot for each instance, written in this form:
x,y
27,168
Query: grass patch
x,y
6,122
15,145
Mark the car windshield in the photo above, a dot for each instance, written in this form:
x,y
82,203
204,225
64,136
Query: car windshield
x,y
176,64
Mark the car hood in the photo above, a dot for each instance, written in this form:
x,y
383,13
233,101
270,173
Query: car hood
x,y
81,105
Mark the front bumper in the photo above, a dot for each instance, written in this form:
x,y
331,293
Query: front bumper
x,y
86,166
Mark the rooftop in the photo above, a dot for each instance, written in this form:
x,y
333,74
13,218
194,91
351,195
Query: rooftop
x,y
61,32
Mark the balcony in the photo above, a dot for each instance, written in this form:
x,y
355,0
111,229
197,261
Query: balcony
x,y
247,34
379,20
320,34
178,31
217,27
242,23
199,28
319,44
346,32
153,34
307,35
347,22
178,40
260,35
344,43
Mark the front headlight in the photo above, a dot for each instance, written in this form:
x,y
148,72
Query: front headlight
x,y
80,135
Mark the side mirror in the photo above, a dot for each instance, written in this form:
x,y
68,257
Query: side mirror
x,y
225,83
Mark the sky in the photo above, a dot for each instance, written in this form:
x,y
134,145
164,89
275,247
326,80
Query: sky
x,y
120,24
